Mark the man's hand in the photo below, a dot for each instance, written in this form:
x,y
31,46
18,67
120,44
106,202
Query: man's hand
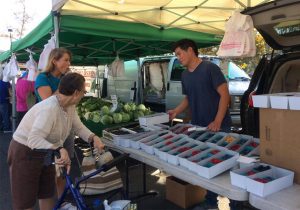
x,y
98,143
64,160
172,114
214,126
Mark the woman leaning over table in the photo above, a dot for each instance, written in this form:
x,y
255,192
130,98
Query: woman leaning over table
x,y
46,126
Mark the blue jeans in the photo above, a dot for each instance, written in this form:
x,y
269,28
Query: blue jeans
x,y
4,111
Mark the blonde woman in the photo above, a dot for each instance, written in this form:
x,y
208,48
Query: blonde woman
x,y
47,82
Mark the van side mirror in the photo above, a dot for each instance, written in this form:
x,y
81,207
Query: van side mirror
x,y
168,86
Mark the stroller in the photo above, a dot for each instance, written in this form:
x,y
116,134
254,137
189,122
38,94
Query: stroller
x,y
74,188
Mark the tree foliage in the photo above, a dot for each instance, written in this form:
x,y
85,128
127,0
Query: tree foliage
x,y
22,17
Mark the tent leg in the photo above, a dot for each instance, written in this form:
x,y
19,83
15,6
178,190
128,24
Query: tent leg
x,y
56,28
14,113
139,98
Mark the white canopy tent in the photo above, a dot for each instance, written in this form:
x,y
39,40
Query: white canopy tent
x,y
207,16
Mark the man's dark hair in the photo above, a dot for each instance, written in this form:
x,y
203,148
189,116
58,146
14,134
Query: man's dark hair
x,y
184,44
71,82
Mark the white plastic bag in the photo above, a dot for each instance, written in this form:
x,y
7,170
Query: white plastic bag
x,y
2,70
239,37
117,68
31,65
45,54
11,69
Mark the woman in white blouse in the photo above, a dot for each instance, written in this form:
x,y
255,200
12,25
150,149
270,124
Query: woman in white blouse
x,y
46,126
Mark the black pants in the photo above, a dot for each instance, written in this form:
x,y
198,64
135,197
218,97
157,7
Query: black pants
x,y
20,116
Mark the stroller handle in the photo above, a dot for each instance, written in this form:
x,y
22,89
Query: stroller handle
x,y
115,161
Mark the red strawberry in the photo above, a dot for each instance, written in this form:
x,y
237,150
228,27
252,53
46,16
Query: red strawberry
x,y
195,152
215,161
260,180
235,147
183,149
168,137
249,173
254,144
214,152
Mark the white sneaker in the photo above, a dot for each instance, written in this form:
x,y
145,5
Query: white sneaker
x,y
68,206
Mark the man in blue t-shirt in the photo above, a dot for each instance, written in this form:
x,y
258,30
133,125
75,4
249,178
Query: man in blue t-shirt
x,y
206,95
205,89
5,123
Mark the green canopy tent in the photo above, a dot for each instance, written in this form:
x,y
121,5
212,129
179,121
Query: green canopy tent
x,y
98,41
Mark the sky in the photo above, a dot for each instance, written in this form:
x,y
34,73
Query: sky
x,y
37,9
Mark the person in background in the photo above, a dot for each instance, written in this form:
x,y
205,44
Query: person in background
x,y
206,95
5,105
45,127
46,85
23,89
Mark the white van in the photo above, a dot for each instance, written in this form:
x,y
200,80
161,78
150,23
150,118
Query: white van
x,y
159,83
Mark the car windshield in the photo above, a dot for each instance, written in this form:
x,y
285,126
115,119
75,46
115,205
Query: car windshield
x,y
236,73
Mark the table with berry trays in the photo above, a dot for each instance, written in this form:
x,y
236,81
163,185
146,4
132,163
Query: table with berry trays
x,y
286,199
220,184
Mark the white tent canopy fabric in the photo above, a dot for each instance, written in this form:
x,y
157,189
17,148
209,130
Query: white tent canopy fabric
x,y
198,15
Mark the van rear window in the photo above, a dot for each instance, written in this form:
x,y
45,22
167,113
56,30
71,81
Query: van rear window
x,y
288,28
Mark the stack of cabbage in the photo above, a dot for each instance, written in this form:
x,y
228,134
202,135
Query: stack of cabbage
x,y
98,110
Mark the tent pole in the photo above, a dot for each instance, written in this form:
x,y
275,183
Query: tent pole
x,y
56,28
139,98
98,85
13,84
14,114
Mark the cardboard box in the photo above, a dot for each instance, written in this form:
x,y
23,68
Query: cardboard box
x,y
162,153
148,138
294,102
282,179
135,142
197,165
238,177
279,101
173,155
261,101
182,193
147,146
280,139
154,119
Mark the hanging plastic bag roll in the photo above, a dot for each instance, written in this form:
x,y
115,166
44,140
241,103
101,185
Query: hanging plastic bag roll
x,y
31,65
45,54
239,37
11,69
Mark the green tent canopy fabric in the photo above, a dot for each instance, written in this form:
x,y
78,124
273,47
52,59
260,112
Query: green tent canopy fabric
x,y
98,41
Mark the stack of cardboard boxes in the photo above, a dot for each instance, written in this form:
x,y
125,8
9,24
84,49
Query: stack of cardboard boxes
x,y
280,130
